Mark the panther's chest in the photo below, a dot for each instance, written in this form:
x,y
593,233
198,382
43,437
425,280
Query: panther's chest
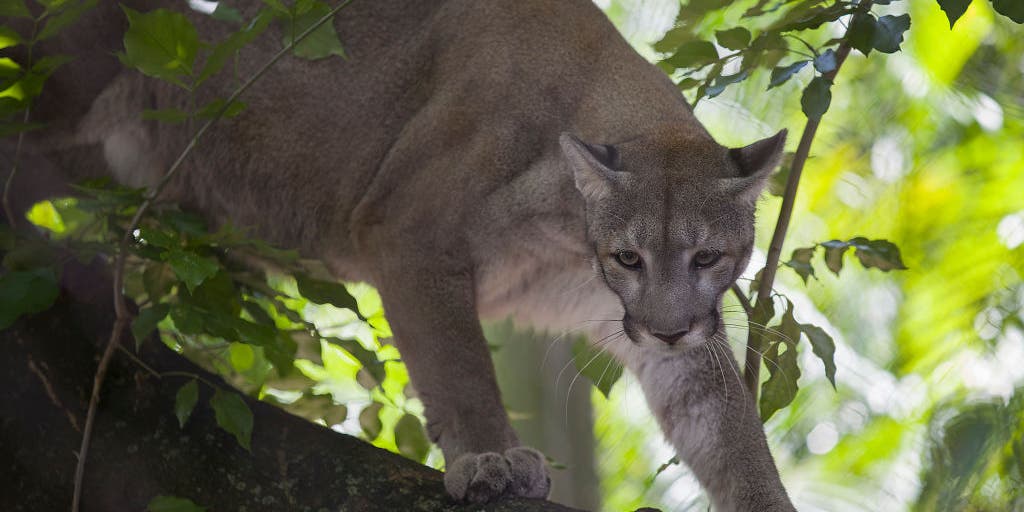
x,y
549,293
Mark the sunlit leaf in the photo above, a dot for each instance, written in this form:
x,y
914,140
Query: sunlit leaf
x,y
233,415
173,504
411,438
367,358
160,43
185,401
597,365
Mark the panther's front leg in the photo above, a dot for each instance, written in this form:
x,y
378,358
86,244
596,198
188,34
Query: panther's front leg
x,y
708,416
431,311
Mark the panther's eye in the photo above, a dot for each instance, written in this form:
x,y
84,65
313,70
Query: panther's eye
x,y
628,259
707,258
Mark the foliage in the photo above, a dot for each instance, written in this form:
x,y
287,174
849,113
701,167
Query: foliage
x,y
918,149
281,329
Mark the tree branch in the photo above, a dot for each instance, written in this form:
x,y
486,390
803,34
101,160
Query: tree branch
x,y
762,309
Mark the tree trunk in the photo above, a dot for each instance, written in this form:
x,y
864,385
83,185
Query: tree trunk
x,y
138,450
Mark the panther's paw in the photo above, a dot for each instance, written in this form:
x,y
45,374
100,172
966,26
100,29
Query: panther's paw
x,y
481,477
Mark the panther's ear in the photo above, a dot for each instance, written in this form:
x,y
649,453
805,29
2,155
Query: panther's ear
x,y
593,166
755,164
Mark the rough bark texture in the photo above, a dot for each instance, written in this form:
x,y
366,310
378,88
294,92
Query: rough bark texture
x,y
139,451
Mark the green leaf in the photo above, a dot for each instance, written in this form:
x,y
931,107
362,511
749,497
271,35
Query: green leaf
x,y
191,268
672,39
67,15
780,359
722,82
954,9
145,323
816,98
233,415
158,279
326,292
834,250
230,46
824,347
1013,9
217,107
169,115
781,75
734,39
322,42
826,61
26,292
185,400
369,420
889,32
693,54
229,14
411,439
800,261
881,254
366,357
173,504
861,32
161,43
596,365
14,9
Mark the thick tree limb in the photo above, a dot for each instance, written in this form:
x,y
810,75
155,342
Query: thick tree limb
x,y
138,449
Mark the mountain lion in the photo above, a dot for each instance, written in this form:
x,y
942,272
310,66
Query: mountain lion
x,y
470,158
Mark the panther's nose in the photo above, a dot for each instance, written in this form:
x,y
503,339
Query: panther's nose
x,y
671,339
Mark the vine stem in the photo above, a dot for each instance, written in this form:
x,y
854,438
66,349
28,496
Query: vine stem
x,y
120,303
762,307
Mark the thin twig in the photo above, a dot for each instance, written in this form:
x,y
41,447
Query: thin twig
x,y
752,368
8,211
742,297
120,304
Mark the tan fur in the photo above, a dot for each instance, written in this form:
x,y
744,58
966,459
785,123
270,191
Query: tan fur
x,y
430,164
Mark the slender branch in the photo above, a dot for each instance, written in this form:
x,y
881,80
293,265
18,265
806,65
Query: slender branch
x,y
120,303
762,306
742,297
8,211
